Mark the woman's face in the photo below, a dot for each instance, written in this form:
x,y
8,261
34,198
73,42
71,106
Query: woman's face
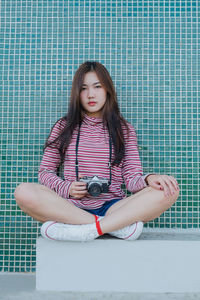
x,y
92,95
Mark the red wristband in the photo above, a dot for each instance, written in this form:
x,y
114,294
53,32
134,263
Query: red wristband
x,y
98,226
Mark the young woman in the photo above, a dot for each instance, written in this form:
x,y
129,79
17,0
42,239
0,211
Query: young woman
x,y
98,149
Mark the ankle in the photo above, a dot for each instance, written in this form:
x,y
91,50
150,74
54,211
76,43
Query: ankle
x,y
98,225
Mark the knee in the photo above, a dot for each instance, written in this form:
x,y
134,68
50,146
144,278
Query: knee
x,y
24,194
174,197
162,200
169,200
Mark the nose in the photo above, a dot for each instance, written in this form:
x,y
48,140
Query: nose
x,y
91,93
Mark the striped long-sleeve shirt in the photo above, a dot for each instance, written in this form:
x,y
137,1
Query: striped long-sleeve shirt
x,y
93,158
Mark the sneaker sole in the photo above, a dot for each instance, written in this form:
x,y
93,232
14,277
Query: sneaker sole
x,y
44,230
137,231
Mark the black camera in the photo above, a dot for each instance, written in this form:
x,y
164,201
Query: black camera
x,y
96,185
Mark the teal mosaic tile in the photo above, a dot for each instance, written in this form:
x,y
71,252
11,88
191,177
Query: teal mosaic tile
x,y
151,49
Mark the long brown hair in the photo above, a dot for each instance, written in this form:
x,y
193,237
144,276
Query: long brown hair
x,y
112,118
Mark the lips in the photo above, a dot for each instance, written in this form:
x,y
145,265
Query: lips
x,y
91,103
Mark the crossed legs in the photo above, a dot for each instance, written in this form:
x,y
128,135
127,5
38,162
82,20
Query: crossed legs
x,y
43,204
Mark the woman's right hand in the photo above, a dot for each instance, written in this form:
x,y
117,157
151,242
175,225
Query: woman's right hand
x,y
77,189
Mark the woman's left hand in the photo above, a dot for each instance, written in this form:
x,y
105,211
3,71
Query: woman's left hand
x,y
163,182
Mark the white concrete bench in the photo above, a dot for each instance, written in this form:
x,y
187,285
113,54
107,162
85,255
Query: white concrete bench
x,y
160,261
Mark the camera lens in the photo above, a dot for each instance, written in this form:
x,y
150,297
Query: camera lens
x,y
94,189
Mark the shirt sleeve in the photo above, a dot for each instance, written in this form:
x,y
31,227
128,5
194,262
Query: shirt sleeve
x,y
49,165
131,168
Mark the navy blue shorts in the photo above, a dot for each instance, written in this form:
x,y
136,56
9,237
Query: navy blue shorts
x,y
102,210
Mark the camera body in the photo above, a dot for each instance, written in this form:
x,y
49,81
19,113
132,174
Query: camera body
x,y
96,185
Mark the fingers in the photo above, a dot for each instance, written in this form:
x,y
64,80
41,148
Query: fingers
x,y
168,184
165,186
175,183
78,189
164,182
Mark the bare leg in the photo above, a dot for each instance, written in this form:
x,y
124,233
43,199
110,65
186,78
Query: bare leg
x,y
43,204
145,205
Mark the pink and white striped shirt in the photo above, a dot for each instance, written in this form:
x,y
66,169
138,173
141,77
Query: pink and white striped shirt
x,y
93,158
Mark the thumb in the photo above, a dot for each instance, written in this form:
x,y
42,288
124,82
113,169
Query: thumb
x,y
80,176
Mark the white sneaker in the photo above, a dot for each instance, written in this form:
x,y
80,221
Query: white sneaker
x,y
67,232
129,233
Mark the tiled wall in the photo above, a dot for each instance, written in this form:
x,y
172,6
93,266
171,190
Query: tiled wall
x,y
152,51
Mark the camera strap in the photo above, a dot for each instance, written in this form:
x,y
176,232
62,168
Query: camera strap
x,y
110,156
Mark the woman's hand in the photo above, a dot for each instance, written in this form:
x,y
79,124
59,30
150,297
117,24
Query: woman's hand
x,y
78,189
163,182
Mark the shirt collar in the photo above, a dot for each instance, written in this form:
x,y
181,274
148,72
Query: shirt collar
x,y
92,120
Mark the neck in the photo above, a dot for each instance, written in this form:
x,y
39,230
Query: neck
x,y
94,115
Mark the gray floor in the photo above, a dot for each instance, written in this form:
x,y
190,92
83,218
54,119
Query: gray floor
x,y
170,234
22,287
